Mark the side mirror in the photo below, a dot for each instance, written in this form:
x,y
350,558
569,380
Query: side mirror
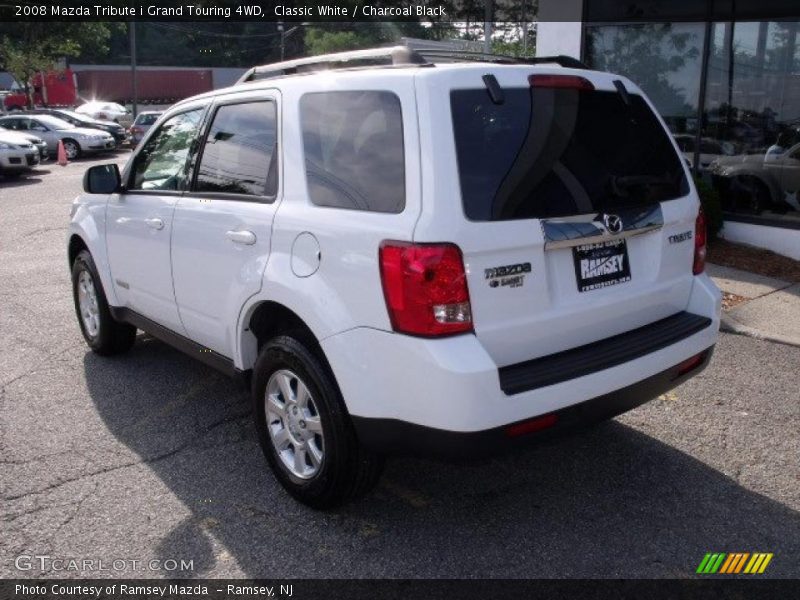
x,y
102,179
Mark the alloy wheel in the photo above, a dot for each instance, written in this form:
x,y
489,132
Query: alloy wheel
x,y
294,424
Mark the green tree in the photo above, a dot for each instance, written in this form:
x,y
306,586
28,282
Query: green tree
x,y
29,47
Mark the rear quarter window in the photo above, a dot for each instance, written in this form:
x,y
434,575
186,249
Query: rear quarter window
x,y
354,154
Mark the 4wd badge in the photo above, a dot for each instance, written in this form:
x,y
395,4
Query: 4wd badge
x,y
509,275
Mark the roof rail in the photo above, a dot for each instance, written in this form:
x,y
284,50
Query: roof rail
x,y
466,55
394,56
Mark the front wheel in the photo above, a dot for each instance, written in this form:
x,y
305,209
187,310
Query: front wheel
x,y
102,333
304,429
72,149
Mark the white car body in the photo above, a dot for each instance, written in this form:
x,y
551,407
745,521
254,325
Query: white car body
x,y
170,258
103,111
17,154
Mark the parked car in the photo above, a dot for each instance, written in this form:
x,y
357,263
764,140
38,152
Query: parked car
x,y
77,140
142,124
429,262
17,154
104,111
760,181
116,130
38,143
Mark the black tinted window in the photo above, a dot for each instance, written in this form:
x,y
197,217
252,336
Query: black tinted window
x,y
353,144
557,152
239,156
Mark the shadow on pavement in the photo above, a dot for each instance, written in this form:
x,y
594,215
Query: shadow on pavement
x,y
26,179
608,502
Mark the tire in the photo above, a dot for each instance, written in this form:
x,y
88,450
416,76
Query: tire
x,y
759,198
102,333
346,470
72,149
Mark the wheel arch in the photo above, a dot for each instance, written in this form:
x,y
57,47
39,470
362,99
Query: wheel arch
x,y
267,318
86,234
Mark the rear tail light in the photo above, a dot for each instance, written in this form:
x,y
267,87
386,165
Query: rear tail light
x,y
425,286
135,130
567,82
699,243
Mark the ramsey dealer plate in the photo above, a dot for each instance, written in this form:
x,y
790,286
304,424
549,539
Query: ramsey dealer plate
x,y
600,265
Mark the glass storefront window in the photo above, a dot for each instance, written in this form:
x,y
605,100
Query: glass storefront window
x,y
753,104
664,59
749,127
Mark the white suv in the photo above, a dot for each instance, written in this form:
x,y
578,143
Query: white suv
x,y
446,259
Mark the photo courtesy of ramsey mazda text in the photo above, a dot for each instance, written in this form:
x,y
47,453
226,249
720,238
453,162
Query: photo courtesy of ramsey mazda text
x,y
405,256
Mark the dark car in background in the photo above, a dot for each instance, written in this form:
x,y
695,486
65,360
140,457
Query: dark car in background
x,y
116,130
142,123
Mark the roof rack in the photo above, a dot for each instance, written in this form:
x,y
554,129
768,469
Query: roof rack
x,y
374,57
467,55
394,56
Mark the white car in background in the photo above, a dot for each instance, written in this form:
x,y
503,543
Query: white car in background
x,y
17,154
104,111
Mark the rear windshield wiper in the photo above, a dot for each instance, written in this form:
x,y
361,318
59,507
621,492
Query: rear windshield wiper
x,y
622,183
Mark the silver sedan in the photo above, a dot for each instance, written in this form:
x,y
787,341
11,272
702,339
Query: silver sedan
x,y
77,140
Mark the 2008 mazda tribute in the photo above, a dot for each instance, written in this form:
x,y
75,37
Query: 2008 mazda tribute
x,y
445,258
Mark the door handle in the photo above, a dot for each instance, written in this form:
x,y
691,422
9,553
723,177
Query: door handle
x,y
241,237
155,223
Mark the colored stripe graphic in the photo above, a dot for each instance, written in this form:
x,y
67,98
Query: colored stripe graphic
x,y
720,562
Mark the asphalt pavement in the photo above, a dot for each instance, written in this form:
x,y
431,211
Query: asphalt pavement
x,y
152,456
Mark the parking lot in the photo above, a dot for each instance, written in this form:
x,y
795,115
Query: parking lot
x,y
152,456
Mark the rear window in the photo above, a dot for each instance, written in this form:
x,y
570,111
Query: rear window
x,y
353,144
559,152
147,119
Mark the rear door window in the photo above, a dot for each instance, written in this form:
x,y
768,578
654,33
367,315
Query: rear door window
x,y
549,152
354,155
240,152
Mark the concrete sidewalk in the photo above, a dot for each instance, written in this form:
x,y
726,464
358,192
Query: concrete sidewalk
x,y
772,308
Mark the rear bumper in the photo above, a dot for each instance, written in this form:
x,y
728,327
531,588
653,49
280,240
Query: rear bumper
x,y
395,437
399,387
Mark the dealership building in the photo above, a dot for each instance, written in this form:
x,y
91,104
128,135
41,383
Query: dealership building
x,y
725,76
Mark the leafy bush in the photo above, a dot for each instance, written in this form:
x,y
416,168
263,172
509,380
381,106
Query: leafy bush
x,y
712,207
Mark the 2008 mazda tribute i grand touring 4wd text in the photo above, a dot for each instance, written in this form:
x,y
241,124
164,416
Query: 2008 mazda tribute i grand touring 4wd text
x,y
404,255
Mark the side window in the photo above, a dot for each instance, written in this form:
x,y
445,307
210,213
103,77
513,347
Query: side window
x,y
354,155
240,154
161,164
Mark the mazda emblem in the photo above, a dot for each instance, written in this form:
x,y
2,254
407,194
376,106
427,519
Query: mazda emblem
x,y
613,223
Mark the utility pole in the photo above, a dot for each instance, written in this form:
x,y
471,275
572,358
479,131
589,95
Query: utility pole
x,y
487,26
134,78
283,39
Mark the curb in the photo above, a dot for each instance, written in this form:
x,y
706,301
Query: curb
x,y
730,325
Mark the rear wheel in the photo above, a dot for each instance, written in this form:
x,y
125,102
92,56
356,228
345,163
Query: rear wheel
x,y
304,429
102,333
